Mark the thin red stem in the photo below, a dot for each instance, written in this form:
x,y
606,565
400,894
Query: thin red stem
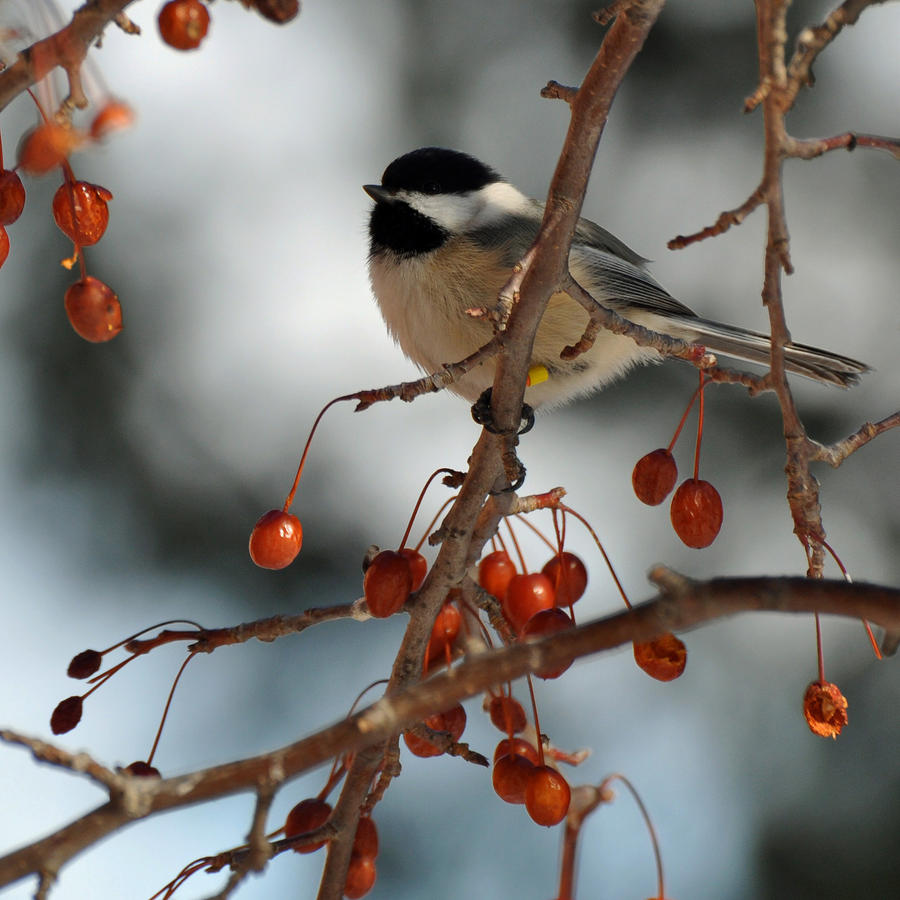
x,y
819,650
162,721
512,536
699,430
684,415
609,565
412,518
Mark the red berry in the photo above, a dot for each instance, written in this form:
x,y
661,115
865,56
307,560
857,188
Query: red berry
x,y
93,309
113,116
365,842
276,539
654,476
546,622
663,659
84,664
46,147
507,714
142,770
277,11
525,596
4,245
444,631
547,796
825,709
518,747
66,715
453,721
387,583
80,211
418,566
12,196
183,23
569,578
495,572
510,777
307,815
360,877
696,513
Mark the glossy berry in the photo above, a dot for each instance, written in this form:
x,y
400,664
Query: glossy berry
x,y
142,770
307,815
525,596
84,664
4,245
663,658
507,714
80,211
387,583
444,631
654,476
12,196
825,709
360,877
365,842
46,147
569,577
183,24
418,566
93,309
544,623
276,539
517,746
66,715
453,721
114,115
547,796
696,513
510,777
495,572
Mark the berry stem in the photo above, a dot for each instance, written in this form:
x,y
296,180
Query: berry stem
x,y
699,430
524,520
412,518
519,553
687,410
162,721
819,650
433,522
560,545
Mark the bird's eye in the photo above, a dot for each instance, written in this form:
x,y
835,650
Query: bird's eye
x,y
431,187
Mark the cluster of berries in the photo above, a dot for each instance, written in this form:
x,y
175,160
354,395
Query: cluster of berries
x,y
183,24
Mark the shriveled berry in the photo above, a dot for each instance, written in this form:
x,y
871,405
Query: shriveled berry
x,y
495,572
80,211
654,476
360,877
547,796
84,664
12,196
387,583
183,23
547,622
142,770
510,777
825,709
663,658
569,577
696,512
307,815
66,715
93,309
418,566
47,146
525,596
276,539
507,714
453,722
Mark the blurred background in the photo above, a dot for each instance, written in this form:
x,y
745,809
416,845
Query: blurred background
x,y
132,473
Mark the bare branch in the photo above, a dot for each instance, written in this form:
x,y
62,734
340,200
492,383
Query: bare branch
x,y
835,454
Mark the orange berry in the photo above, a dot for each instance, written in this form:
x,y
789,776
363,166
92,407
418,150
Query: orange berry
x,y
507,714
387,583
663,658
518,747
495,572
569,577
276,539
12,196
418,566
546,622
453,721
114,115
696,513
444,631
80,211
525,596
4,245
365,842
93,309
547,796
183,24
654,476
510,777
360,877
47,146
307,815
825,708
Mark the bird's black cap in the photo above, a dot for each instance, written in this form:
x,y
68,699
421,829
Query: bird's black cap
x,y
434,170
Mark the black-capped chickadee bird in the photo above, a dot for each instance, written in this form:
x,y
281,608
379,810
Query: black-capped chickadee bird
x,y
446,231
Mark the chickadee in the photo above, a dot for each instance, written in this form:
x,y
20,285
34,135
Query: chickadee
x,y
445,232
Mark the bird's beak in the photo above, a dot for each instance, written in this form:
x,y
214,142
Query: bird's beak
x,y
378,193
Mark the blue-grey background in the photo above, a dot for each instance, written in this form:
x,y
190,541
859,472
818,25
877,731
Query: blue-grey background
x,y
131,474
